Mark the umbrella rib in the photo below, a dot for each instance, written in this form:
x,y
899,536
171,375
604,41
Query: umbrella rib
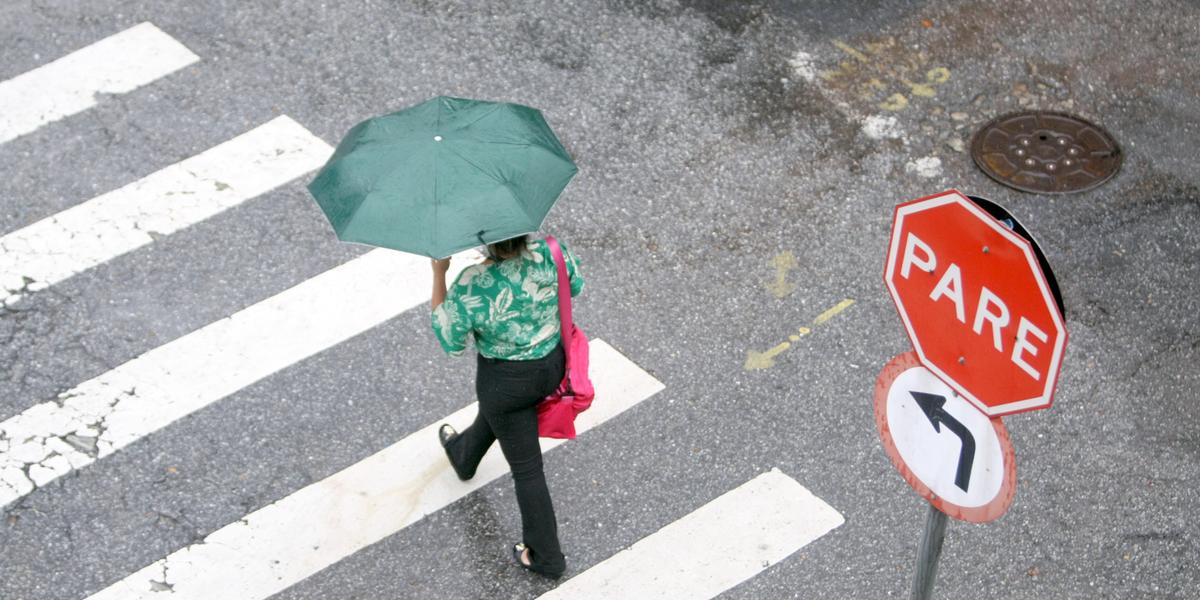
x,y
476,119
474,164
524,209
502,143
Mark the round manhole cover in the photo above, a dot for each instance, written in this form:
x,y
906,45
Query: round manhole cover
x,y
1046,152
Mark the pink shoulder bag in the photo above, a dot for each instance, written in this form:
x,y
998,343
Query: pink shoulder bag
x,y
556,413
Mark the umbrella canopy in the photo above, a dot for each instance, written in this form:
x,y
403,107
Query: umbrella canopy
x,y
443,176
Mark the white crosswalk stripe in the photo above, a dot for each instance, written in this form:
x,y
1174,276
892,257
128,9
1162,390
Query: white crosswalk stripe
x,y
162,203
720,545
297,536
123,405
115,65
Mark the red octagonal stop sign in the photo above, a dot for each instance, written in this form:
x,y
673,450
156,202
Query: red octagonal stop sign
x,y
975,303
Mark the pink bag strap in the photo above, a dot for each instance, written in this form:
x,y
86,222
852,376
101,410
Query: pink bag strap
x,y
564,292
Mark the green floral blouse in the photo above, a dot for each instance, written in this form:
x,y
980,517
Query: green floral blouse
x,y
510,307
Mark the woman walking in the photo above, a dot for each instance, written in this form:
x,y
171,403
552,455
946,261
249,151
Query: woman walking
x,y
509,305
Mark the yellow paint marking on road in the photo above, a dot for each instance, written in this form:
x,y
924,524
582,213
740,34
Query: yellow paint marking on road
x,y
764,360
894,102
919,89
848,49
938,75
831,313
885,74
783,263
756,361
795,337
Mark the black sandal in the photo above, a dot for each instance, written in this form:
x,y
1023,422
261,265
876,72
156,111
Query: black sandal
x,y
447,434
517,551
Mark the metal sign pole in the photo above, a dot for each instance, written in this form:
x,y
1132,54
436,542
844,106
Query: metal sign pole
x,y
928,554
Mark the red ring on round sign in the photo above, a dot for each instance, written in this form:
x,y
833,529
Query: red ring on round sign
x,y
975,514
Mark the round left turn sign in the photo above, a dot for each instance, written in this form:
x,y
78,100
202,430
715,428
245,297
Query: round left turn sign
x,y
950,452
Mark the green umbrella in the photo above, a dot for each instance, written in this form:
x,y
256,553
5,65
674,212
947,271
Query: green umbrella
x,y
443,176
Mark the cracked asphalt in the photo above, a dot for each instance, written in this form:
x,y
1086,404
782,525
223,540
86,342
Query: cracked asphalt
x,y
714,139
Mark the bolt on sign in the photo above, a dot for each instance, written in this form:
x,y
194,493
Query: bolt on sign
x,y
975,303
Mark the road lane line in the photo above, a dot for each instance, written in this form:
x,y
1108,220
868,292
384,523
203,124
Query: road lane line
x,y
116,64
161,203
284,542
764,360
121,406
832,312
720,545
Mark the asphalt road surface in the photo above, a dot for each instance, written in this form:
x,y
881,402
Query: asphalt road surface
x,y
739,163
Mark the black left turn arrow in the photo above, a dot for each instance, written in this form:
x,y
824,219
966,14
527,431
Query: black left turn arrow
x,y
931,405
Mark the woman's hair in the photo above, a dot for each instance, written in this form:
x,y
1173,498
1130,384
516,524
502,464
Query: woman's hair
x,y
510,248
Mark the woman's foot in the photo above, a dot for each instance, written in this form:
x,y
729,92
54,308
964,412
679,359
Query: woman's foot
x,y
520,554
523,556
446,435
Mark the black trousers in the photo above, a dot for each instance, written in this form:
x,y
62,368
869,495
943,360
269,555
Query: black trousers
x,y
509,392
